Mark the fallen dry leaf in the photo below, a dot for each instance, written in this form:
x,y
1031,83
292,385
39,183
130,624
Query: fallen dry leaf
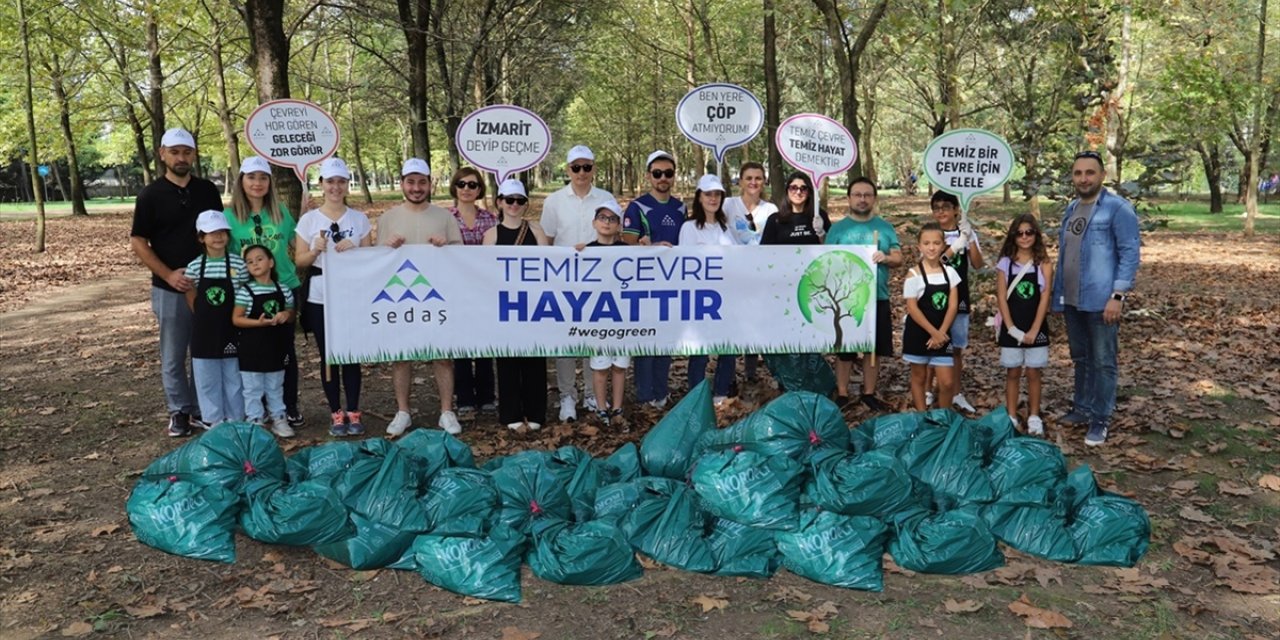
x,y
1232,489
471,602
1270,482
147,611
1038,618
1195,515
515,633
104,530
961,606
709,603
667,630
787,594
76,629
1183,486
816,619
26,597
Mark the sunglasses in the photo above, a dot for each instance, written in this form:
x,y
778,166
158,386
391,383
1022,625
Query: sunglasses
x,y
607,217
515,200
1094,155
467,184
257,225
1026,233
751,221
578,168
335,232
658,174
797,188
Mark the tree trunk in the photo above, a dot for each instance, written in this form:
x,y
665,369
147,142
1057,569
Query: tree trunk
x,y
948,63
1115,117
848,55
270,64
76,191
29,107
229,132
772,98
1031,162
1211,158
155,94
1254,156
869,123
414,28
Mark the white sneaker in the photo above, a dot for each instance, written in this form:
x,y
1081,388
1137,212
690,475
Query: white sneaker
x,y
567,412
514,426
960,403
590,404
280,427
658,404
1035,426
928,399
533,426
719,400
399,423
449,422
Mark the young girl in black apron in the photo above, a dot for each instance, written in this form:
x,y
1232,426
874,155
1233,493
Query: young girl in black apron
x,y
522,382
1021,277
264,315
215,274
930,293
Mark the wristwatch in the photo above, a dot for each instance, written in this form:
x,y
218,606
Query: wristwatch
x,y
1118,296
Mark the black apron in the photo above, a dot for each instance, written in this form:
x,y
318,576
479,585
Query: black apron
x,y
959,262
264,349
1024,302
933,304
213,335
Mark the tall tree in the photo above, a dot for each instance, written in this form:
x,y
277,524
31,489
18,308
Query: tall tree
x,y
32,155
848,47
270,63
777,181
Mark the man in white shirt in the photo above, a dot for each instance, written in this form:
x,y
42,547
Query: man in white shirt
x,y
567,216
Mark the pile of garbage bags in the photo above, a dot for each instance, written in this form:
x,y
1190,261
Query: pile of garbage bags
x,y
790,485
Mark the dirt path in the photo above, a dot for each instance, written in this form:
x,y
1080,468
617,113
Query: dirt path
x,y
80,415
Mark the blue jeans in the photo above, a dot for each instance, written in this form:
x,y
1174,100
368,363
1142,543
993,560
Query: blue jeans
x,y
725,367
218,389
1093,345
176,320
651,377
257,385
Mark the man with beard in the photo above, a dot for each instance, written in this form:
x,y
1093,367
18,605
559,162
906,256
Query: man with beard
x,y
164,239
417,221
1098,260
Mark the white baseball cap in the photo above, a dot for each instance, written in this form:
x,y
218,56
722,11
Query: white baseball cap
x,y
415,165
255,163
658,155
612,205
210,221
334,168
580,152
710,182
177,137
511,187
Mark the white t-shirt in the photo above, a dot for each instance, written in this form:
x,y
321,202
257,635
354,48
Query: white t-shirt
x,y
738,223
568,218
353,225
913,286
711,233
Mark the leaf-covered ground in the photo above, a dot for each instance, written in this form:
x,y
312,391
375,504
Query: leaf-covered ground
x,y
1196,439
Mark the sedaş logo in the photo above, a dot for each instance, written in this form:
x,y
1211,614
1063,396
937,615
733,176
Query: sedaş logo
x,y
407,287
406,284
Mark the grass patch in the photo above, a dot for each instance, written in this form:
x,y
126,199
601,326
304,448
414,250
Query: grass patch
x,y
29,208
1193,215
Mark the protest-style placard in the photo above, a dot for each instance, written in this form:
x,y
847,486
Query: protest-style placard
x,y
503,139
818,146
968,162
720,117
292,133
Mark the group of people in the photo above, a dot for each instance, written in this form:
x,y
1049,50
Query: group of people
x,y
228,283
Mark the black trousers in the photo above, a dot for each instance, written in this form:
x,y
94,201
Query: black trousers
x,y
339,377
473,382
522,390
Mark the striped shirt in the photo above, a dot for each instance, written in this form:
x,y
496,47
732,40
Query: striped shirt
x,y
245,299
217,268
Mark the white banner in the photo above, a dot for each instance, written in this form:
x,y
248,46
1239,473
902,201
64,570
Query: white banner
x,y
421,302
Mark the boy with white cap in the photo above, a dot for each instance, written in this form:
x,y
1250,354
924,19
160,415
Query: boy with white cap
x,y
163,237
567,217
418,221
215,277
605,368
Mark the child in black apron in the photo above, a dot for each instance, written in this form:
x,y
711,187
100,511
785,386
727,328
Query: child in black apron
x,y
1022,276
214,363
930,293
263,313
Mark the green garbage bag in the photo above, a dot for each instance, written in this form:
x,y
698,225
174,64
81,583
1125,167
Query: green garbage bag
x,y
1033,520
379,484
227,455
839,550
744,551
322,461
531,487
874,483
432,450
792,425
1022,463
374,545
585,553
460,502
954,541
1108,529
949,460
994,429
178,516
749,488
613,501
487,567
301,513
886,432
670,528
802,372
668,450
584,479
622,465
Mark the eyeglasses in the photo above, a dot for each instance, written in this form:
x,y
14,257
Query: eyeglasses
x,y
658,174
257,225
797,188
516,200
945,206
467,184
335,232
607,217
578,168
1026,233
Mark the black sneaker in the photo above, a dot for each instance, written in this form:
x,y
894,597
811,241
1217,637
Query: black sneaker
x,y
1097,435
198,423
295,419
841,401
1074,419
873,403
179,425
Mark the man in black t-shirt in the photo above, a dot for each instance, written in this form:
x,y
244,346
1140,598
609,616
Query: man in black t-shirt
x,y
164,238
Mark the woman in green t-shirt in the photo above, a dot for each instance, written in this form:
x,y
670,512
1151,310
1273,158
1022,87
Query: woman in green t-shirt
x,y
257,217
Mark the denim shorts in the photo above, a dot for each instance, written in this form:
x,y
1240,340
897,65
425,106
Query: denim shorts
x,y
960,331
933,361
1029,357
602,363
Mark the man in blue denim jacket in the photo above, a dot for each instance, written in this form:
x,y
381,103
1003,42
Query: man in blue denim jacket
x,y
1098,255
